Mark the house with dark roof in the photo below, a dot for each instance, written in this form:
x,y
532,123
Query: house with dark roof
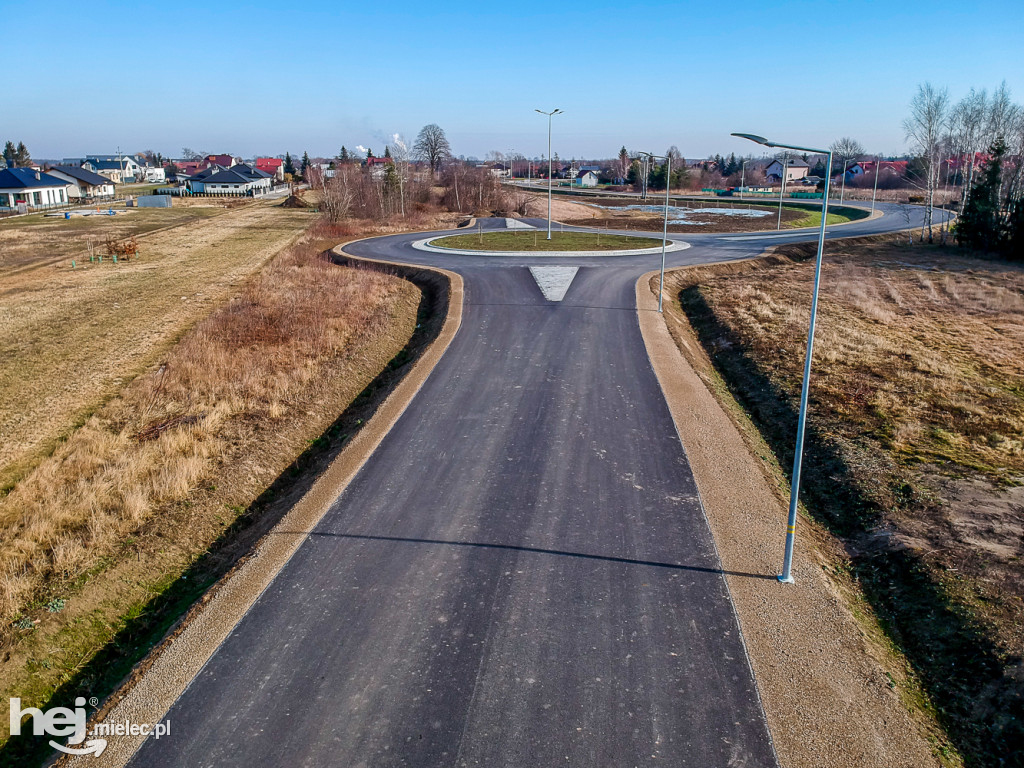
x,y
29,188
83,183
239,179
887,167
795,169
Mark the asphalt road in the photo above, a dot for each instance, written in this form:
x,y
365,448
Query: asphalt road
x,y
522,575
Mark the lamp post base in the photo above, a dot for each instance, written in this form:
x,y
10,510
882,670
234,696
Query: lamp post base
x,y
786,579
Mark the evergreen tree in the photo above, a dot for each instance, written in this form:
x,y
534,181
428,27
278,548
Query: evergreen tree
x,y
387,150
1015,238
21,156
980,224
634,174
305,163
344,154
369,154
289,166
9,154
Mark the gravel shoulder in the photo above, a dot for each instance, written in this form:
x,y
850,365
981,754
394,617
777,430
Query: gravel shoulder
x,y
833,692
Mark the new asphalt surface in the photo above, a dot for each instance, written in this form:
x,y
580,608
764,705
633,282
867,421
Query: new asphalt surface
x,y
522,575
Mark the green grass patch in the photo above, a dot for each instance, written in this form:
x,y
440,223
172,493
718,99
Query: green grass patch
x,y
534,240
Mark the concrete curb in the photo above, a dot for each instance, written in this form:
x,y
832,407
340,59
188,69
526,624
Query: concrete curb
x,y
424,245
179,661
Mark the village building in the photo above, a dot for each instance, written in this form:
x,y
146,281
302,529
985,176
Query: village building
x,y
795,169
29,188
83,183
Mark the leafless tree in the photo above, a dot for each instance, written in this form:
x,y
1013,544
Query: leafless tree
x,y
925,128
432,147
400,157
845,152
967,133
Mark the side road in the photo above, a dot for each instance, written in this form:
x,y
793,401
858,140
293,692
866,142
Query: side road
x,y
825,678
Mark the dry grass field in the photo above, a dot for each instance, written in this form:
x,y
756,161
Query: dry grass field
x,y
209,378
914,457
71,338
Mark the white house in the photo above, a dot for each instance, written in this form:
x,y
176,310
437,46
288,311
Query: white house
x,y
31,188
587,179
155,175
82,182
117,168
795,169
239,179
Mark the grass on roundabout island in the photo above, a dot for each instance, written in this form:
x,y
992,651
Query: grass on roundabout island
x,y
536,240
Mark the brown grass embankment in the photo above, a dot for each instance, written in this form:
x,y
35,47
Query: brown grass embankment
x,y
914,444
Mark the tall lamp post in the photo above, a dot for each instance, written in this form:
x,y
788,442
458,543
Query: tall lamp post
x,y
550,114
664,237
786,576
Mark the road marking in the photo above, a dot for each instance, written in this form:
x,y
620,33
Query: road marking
x,y
517,224
554,281
767,237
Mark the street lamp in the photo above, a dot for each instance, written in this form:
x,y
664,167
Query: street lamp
x,y
550,115
786,576
664,237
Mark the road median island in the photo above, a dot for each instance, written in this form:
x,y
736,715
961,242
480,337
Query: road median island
x,y
832,689
215,550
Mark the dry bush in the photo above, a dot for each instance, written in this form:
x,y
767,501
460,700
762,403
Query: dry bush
x,y
156,443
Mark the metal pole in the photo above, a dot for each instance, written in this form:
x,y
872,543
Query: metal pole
x,y
549,174
664,237
786,576
782,190
842,188
878,170
743,176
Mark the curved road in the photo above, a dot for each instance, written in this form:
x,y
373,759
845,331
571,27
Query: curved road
x,y
521,575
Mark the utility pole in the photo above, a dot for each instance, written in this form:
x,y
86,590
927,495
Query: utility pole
x,y
782,190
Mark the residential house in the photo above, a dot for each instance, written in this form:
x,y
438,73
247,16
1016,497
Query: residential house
x,y
586,178
131,169
83,183
223,160
887,167
795,169
377,166
239,179
31,188
272,165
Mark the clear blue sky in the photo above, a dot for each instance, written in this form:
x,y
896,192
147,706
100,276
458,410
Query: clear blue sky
x,y
266,77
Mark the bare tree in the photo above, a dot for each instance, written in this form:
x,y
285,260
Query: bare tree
x,y
432,146
400,157
925,128
848,151
967,133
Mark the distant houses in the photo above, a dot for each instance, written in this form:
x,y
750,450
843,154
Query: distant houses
x,y
272,165
886,167
795,169
27,187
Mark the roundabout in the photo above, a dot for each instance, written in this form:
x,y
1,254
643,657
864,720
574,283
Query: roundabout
x,y
517,242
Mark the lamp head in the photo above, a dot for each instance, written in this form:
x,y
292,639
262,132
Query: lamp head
x,y
755,138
